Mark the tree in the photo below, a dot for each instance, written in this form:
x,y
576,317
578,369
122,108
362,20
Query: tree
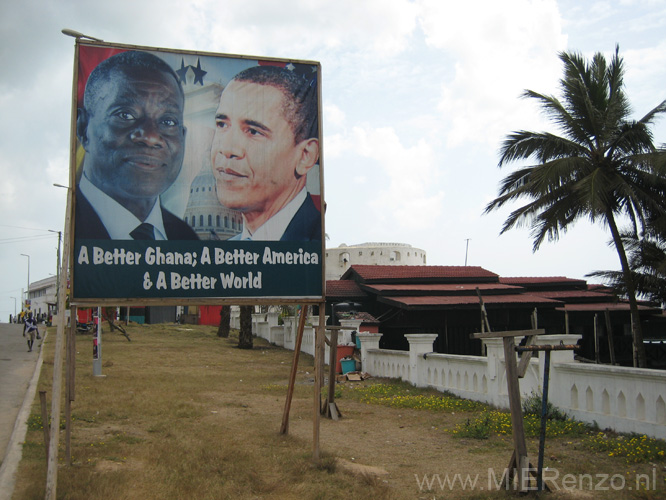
x,y
603,167
245,334
225,322
647,260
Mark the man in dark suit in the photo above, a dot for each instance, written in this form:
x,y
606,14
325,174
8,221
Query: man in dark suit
x,y
266,141
131,127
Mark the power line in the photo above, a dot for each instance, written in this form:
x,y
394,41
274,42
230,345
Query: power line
x,y
25,238
28,228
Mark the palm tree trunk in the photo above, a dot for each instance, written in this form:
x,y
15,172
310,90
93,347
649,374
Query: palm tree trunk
x,y
636,330
225,322
245,333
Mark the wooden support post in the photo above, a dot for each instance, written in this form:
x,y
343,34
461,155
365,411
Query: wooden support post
x,y
513,388
284,428
484,314
45,421
331,409
609,333
596,338
525,357
519,459
319,372
70,362
332,350
56,391
544,419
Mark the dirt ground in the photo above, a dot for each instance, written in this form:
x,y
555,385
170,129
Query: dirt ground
x,y
181,413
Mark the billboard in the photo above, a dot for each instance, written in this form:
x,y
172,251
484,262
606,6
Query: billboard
x,y
197,176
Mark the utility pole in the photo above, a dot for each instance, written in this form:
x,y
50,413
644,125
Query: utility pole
x,y
466,248
57,268
27,295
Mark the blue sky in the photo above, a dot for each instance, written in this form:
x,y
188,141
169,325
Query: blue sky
x,y
417,96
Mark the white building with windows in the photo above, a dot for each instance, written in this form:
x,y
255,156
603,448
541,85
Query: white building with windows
x,y
43,296
339,259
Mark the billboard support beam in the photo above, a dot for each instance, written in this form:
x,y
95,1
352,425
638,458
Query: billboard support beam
x,y
284,428
320,334
52,461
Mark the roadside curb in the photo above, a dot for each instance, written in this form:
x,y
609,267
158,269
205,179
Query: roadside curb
x,y
15,447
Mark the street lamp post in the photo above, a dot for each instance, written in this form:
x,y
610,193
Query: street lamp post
x,y
14,307
27,296
57,268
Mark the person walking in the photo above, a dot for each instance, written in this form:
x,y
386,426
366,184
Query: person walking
x,y
30,327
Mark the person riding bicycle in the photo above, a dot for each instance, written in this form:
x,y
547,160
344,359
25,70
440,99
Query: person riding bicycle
x,y
30,326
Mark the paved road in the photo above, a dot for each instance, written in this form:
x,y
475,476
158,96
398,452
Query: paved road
x,y
17,366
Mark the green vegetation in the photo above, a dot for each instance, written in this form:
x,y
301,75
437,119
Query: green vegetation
x,y
603,166
633,448
403,395
498,423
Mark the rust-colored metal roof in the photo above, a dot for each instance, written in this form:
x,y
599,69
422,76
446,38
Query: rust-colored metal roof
x,y
525,280
367,318
573,294
601,307
388,274
442,302
343,289
440,288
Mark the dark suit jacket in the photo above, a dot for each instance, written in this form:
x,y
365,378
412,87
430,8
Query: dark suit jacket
x,y
87,224
305,225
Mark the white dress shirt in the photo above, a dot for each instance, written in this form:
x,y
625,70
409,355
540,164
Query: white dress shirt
x,y
274,228
118,221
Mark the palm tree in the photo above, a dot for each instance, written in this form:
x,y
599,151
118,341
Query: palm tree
x,y
245,332
603,167
225,322
647,260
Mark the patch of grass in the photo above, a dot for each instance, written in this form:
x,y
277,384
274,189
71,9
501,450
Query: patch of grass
x,y
498,423
532,405
124,438
402,395
35,422
634,448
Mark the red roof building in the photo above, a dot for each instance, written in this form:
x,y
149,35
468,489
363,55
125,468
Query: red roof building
x,y
445,300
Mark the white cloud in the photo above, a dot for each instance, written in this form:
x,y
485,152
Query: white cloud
x,y
499,48
410,175
333,115
300,26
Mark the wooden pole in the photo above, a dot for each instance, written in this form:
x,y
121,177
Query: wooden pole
x,y
520,446
54,437
70,387
45,420
596,338
319,372
331,410
611,342
284,428
484,314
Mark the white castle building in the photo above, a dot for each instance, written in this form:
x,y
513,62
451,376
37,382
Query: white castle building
x,y
339,259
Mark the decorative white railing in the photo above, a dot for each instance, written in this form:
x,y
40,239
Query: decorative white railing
x,y
623,399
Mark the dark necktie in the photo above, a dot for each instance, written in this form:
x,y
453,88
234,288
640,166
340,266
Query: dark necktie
x,y
143,231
